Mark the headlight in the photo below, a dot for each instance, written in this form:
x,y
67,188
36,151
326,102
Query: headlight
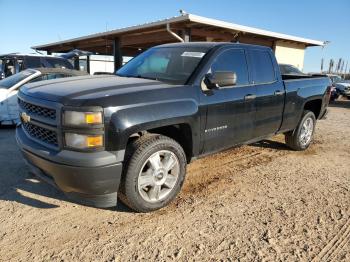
x,y
83,141
75,118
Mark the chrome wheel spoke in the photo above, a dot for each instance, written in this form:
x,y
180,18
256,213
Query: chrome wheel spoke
x,y
305,126
170,181
146,180
169,162
155,161
154,192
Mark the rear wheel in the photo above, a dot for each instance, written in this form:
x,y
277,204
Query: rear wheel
x,y
155,172
300,138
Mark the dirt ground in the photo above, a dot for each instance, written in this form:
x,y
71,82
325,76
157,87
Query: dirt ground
x,y
261,202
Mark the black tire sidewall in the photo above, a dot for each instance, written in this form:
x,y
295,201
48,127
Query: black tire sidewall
x,y
136,163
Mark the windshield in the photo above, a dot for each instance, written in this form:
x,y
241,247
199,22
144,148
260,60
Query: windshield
x,y
173,65
14,79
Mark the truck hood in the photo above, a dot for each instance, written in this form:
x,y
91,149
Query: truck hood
x,y
91,90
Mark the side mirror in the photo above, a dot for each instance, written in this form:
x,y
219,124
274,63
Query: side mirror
x,y
220,79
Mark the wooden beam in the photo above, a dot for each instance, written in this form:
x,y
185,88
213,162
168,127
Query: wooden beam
x,y
256,40
212,34
146,39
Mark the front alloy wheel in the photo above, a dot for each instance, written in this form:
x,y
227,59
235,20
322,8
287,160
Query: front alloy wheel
x,y
158,176
154,172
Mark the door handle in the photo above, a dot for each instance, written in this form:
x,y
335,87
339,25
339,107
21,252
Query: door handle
x,y
249,97
278,92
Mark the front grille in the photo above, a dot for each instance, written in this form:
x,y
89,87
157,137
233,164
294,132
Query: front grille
x,y
37,110
42,134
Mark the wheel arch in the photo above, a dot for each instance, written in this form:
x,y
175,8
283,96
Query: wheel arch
x,y
315,106
180,132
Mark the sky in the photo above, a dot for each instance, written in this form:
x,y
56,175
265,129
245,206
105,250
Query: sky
x,y
28,23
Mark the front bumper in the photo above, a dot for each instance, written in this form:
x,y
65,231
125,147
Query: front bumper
x,y
87,178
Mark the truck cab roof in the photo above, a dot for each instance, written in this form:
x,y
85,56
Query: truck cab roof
x,y
211,45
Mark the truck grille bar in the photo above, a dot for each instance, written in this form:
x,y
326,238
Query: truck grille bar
x,y
43,134
40,122
37,110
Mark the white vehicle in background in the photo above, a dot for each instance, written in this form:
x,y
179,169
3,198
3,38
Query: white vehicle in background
x,y
9,113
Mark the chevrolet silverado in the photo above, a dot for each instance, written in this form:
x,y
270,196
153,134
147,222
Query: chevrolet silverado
x,y
132,134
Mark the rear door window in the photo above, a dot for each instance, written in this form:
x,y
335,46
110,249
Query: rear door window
x,y
262,67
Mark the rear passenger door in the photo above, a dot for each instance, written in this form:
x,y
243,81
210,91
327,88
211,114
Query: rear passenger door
x,y
269,92
230,109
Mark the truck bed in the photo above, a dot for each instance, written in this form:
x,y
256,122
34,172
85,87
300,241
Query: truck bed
x,y
298,90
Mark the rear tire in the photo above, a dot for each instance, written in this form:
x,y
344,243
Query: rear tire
x,y
301,137
154,173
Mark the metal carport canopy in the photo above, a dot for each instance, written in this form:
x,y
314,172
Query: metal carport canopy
x,y
131,40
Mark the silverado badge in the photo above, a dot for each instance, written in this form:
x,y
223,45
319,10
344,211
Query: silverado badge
x,y
25,118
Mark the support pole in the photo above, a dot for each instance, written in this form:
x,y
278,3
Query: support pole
x,y
76,63
186,35
88,64
117,54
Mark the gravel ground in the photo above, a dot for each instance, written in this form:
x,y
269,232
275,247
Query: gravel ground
x,y
261,202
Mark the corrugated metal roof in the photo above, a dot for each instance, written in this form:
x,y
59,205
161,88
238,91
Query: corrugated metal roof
x,y
252,30
195,19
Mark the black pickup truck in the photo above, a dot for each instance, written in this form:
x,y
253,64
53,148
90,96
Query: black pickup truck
x,y
132,134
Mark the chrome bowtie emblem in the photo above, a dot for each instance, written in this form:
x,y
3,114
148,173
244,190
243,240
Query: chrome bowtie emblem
x,y
25,118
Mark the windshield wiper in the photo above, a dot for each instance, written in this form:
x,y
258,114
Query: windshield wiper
x,y
139,76
146,77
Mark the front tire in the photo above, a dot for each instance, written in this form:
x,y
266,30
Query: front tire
x,y
154,173
300,138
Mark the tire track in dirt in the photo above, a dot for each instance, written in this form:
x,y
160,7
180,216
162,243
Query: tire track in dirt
x,y
332,249
201,179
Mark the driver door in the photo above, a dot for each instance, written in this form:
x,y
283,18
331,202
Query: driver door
x,y
230,114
